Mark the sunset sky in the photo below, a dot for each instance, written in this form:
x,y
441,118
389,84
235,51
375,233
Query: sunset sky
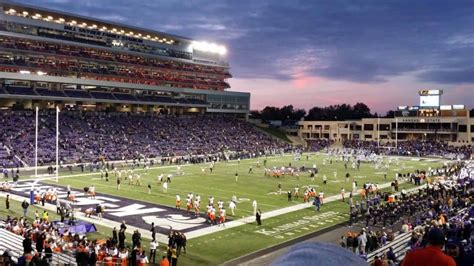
x,y
317,53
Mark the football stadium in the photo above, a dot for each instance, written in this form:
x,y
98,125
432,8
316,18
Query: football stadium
x,y
122,145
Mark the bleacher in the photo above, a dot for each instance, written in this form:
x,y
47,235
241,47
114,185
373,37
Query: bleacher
x,y
14,244
6,159
400,244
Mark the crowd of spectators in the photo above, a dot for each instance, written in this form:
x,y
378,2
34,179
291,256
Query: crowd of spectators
x,y
318,144
92,136
413,148
72,51
62,60
436,205
42,239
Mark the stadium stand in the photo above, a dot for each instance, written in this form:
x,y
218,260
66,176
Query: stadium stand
x,y
445,205
318,144
86,137
413,148
13,244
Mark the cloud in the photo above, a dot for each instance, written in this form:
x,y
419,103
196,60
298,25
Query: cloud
x,y
453,76
365,44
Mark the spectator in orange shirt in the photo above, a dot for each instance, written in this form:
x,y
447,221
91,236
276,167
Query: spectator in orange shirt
x,y
432,254
164,261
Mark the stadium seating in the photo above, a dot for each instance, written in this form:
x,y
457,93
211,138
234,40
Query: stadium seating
x,y
413,148
14,244
318,144
87,137
62,60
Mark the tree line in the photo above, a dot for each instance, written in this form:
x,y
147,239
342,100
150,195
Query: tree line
x,y
288,113
327,113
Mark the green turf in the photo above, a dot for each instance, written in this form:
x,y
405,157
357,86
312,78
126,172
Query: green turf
x,y
225,245
254,186
215,248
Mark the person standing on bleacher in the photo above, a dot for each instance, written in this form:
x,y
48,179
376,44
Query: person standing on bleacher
x,y
24,206
27,248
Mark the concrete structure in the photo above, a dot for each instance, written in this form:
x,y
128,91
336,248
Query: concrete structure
x,y
52,58
450,123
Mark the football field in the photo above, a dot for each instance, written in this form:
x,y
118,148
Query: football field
x,y
222,184
213,248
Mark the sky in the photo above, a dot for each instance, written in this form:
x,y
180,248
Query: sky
x,y
318,53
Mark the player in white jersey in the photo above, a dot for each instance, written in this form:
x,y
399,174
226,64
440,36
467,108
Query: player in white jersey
x,y
198,198
321,197
165,187
189,204
160,179
325,179
232,207
212,216
178,202
130,177
137,180
222,217
196,207
296,192
211,200
220,204
92,191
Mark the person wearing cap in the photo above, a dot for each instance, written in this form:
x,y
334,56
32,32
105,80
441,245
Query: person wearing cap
x,y
432,254
324,254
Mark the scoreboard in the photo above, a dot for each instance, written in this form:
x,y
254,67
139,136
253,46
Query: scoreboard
x,y
430,98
